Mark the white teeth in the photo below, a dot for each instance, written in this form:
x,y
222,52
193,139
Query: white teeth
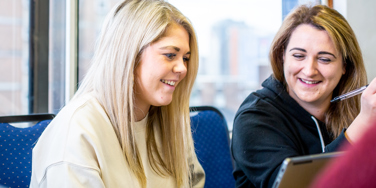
x,y
172,83
309,82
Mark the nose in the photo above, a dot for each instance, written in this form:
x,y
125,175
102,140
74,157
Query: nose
x,y
180,67
310,67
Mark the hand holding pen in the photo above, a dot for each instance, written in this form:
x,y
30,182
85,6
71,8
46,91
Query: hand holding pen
x,y
367,116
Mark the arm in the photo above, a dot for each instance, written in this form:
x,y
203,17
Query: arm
x,y
337,143
66,175
198,176
367,115
260,143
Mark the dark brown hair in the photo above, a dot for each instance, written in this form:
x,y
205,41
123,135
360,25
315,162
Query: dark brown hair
x,y
339,115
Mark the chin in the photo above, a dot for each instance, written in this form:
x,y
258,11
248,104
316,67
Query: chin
x,y
308,99
163,103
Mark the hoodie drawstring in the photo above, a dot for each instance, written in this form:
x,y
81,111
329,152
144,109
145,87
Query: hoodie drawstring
x,y
320,135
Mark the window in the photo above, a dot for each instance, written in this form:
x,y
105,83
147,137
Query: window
x,y
14,57
91,16
234,39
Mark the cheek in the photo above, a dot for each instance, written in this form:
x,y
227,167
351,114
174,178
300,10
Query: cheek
x,y
182,76
332,77
286,64
292,67
288,69
336,77
144,79
332,72
137,79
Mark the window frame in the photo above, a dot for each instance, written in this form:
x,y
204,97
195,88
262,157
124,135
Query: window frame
x,y
38,56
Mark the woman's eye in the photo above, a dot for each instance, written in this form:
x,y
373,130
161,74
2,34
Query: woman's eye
x,y
170,55
186,59
298,56
325,60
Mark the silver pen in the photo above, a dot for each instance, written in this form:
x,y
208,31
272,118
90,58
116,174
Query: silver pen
x,y
349,94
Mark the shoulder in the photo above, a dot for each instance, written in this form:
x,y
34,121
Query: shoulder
x,y
86,107
79,134
82,118
262,118
268,98
83,114
258,108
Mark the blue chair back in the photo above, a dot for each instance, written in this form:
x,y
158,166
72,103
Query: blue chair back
x,y
16,148
212,144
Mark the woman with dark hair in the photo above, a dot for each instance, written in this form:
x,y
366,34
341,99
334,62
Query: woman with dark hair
x,y
315,56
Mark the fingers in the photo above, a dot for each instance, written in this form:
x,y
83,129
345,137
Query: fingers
x,y
367,116
371,89
368,101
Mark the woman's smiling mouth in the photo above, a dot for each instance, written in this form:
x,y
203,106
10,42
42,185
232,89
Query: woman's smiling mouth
x,y
309,82
171,83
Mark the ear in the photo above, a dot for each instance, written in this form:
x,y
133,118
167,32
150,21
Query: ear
x,y
344,68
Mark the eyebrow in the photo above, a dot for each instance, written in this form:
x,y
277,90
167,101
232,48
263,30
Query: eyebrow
x,y
173,47
300,49
320,53
328,53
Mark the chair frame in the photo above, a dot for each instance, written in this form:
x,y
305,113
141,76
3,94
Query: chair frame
x,y
25,118
203,108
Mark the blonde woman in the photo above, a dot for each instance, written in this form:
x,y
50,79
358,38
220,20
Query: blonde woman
x,y
128,124
315,57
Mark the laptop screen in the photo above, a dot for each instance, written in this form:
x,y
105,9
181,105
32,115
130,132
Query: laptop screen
x,y
301,171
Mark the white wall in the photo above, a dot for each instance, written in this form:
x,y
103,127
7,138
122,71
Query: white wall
x,y
361,15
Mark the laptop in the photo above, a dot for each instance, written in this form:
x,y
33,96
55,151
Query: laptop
x,y
301,171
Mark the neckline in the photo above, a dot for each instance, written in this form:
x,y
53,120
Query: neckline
x,y
140,126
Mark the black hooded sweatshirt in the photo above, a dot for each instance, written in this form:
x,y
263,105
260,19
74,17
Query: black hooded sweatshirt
x,y
269,127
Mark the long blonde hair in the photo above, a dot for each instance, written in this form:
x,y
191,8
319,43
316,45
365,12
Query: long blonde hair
x,y
339,115
128,29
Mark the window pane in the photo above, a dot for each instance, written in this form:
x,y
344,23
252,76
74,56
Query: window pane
x,y
234,40
14,56
91,16
56,66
